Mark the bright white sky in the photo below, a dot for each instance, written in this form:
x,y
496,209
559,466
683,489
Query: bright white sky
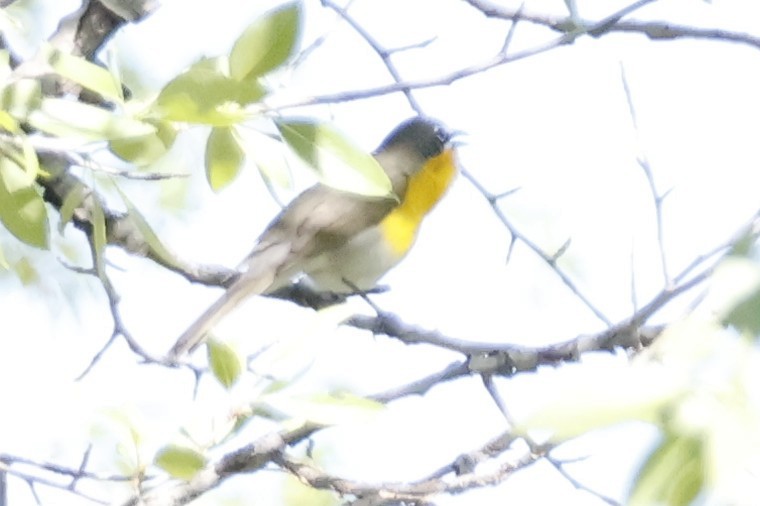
x,y
555,125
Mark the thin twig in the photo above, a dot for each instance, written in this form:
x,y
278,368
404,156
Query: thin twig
x,y
80,155
384,54
496,397
559,466
549,259
467,462
597,29
422,385
643,162
654,30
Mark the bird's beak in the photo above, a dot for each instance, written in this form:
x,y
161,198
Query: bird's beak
x,y
456,140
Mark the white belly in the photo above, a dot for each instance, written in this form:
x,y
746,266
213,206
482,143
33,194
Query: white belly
x,y
362,261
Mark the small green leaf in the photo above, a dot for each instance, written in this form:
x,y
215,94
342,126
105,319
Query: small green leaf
x,y
180,462
207,96
31,162
744,246
218,64
338,162
65,118
22,209
26,272
241,93
84,73
224,363
21,97
146,149
673,474
8,122
99,236
3,261
141,151
745,315
148,234
70,203
224,157
267,43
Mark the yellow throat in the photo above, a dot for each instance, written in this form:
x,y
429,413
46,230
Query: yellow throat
x,y
424,190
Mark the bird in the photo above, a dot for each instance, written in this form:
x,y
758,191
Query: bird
x,y
341,241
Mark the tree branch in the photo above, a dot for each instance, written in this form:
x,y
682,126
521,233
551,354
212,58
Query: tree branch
x,y
653,30
249,458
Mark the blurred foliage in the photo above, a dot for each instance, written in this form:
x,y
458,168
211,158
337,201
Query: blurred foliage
x,y
699,383
224,92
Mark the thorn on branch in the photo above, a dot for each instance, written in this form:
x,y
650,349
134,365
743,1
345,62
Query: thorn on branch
x,y
561,251
493,198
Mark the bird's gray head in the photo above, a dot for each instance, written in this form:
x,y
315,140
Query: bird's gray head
x,y
424,135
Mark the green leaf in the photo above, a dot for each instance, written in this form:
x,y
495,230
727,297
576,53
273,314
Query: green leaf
x,y
75,197
218,64
744,246
146,149
8,122
26,272
31,162
99,236
21,97
207,96
3,261
745,315
22,209
180,462
85,73
673,474
148,234
224,362
65,118
338,162
267,43
224,157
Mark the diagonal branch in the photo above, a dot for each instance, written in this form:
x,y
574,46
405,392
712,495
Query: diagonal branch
x,y
551,260
249,458
384,54
643,161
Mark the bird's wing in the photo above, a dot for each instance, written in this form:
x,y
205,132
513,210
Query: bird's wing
x,y
319,219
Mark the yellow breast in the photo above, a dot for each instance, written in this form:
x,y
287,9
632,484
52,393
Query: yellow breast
x,y
424,190
370,254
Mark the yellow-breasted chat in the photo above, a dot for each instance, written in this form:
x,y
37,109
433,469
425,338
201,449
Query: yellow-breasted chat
x,y
339,240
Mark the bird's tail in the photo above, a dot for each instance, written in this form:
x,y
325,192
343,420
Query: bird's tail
x,y
257,280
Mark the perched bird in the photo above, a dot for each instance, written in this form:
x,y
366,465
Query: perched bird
x,y
340,240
